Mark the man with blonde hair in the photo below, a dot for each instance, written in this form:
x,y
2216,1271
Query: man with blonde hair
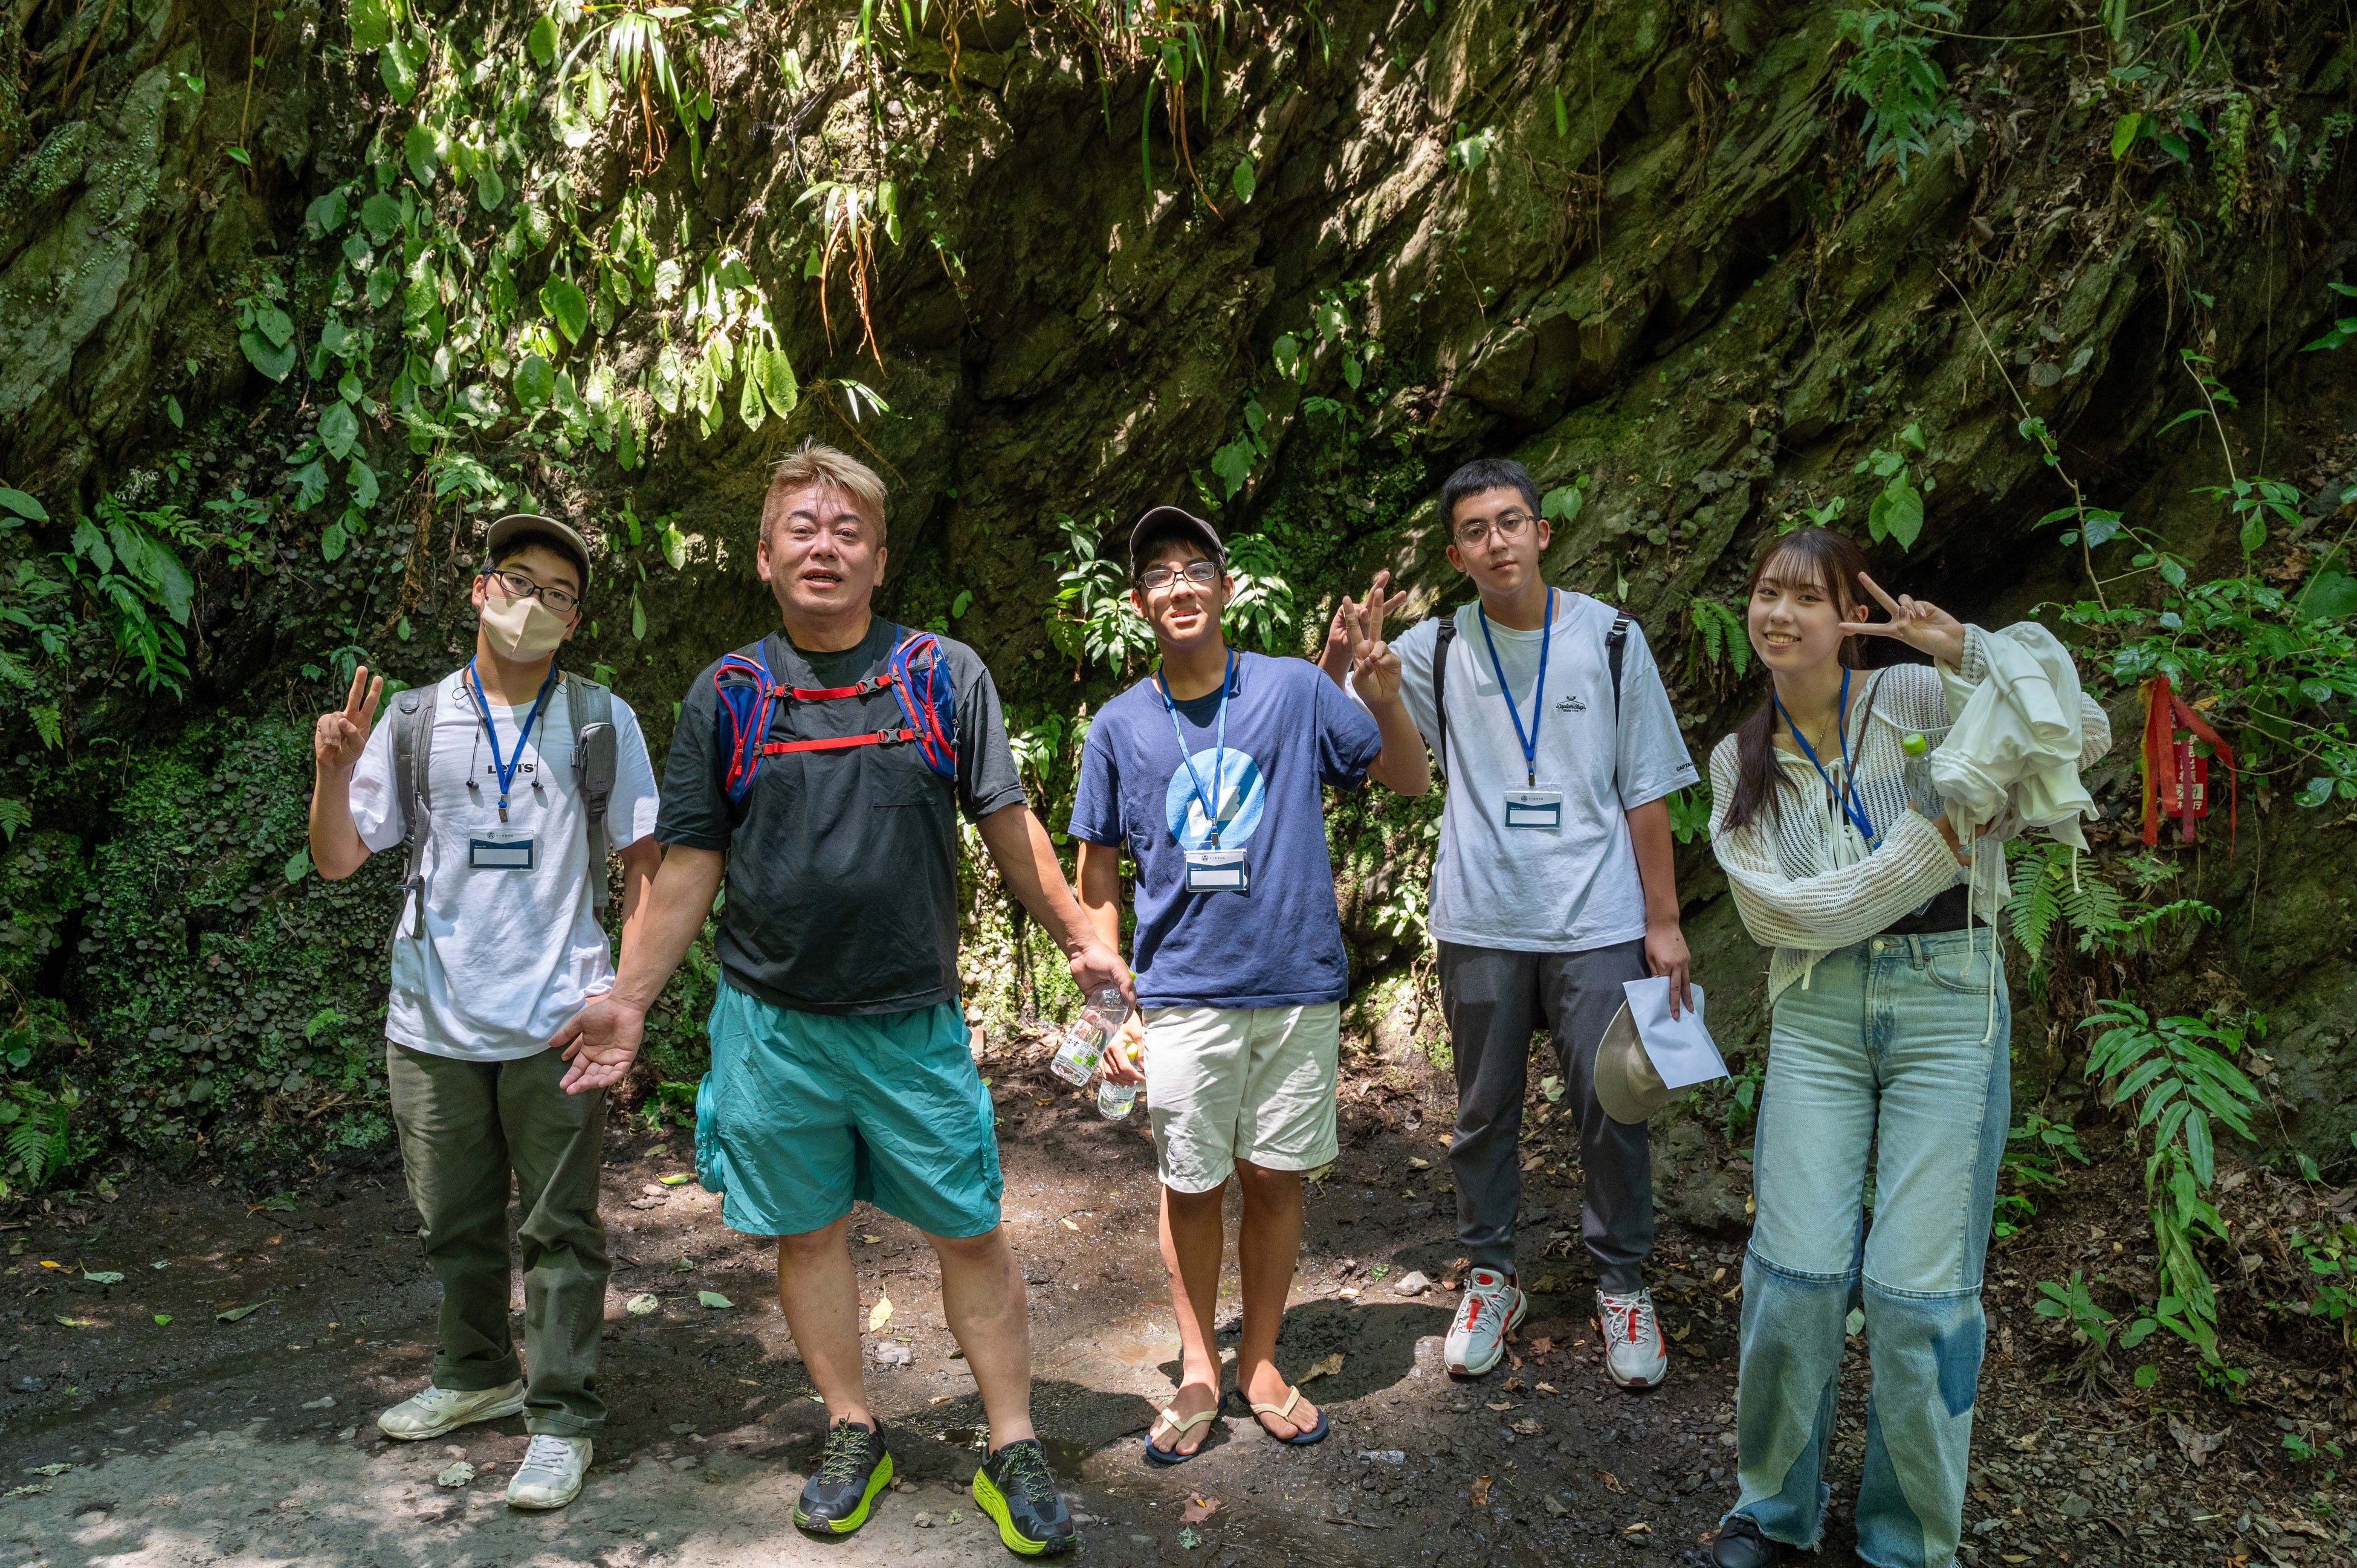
x,y
818,771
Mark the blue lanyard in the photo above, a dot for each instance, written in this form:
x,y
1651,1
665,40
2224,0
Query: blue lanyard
x,y
507,769
1210,802
1529,738
1846,796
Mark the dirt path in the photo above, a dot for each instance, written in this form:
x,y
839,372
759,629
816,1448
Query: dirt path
x,y
193,1441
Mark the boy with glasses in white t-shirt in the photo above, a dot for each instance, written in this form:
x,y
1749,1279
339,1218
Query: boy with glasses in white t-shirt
x,y
1554,886
497,770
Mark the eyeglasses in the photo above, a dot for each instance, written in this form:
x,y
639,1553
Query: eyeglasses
x,y
1508,525
1202,574
564,601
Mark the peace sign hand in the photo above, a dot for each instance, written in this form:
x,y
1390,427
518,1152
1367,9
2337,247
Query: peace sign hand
x,y
1916,622
339,738
1374,668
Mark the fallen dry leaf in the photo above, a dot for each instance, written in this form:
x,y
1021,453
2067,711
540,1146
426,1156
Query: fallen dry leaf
x,y
1528,1428
1197,1509
1549,1389
1541,1346
1324,1369
1069,1226
2196,1446
1480,1491
1415,1164
1611,1482
1507,1406
880,1313
1514,1385
2302,1527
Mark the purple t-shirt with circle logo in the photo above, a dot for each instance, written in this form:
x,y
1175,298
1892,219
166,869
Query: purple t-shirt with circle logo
x,y
1290,731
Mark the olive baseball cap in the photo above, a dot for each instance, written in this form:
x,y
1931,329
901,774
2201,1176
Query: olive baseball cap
x,y
565,533
1170,521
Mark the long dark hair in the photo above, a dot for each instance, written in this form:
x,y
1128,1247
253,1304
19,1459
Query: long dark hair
x,y
1836,561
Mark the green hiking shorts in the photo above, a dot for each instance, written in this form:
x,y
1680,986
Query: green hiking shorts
x,y
804,1113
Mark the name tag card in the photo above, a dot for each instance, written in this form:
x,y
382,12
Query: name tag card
x,y
1541,808
500,854
1217,871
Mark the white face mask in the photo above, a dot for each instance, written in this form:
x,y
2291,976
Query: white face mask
x,y
522,629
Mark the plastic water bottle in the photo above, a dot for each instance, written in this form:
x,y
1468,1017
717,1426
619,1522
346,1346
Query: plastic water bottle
x,y
1921,792
1115,1099
1086,1037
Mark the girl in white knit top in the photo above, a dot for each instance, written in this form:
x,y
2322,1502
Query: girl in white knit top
x,y
1890,1038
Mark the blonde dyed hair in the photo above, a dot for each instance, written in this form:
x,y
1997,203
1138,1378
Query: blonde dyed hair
x,y
812,464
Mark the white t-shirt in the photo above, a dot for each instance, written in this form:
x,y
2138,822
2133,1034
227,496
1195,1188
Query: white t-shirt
x,y
504,956
1572,887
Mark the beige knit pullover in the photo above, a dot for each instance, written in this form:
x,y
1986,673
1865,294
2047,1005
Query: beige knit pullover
x,y
1804,879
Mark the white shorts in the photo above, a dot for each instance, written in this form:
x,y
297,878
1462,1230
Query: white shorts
x,y
1224,1084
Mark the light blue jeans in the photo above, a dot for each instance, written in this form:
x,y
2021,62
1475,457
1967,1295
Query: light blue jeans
x,y
1893,1048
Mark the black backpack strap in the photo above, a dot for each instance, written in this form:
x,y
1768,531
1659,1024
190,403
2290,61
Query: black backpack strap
x,y
1443,636
1616,647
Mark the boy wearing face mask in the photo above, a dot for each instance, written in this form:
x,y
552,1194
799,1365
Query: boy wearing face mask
x,y
498,942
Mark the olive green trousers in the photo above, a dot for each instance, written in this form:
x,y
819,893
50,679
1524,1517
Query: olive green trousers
x,y
468,1128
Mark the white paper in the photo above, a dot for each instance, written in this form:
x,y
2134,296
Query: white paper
x,y
1681,1049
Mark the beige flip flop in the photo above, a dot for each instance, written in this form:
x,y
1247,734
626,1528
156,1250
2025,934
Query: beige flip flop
x,y
1179,1427
1284,1413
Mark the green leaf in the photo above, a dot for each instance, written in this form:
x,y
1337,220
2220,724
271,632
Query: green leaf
x,y
275,360
172,412
162,1318
2254,529
381,216
542,42
240,1314
777,383
310,484
332,543
340,428
372,24
490,189
638,618
535,382
1898,512
674,546
2123,134
23,505
362,480
749,407
326,215
562,299
1562,503
274,325
713,1299
398,66
1244,180
424,152
240,155
958,605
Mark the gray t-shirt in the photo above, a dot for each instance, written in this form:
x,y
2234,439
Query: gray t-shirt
x,y
1572,887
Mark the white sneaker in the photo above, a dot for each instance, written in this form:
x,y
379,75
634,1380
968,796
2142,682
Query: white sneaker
x,y
438,1410
1478,1338
550,1476
1633,1352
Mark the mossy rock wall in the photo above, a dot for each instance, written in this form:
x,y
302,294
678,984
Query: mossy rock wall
x,y
1638,243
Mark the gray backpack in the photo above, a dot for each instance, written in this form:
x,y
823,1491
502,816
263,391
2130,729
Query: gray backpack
x,y
592,707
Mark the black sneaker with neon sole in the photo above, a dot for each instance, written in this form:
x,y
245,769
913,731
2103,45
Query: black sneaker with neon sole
x,y
853,1467
1017,1491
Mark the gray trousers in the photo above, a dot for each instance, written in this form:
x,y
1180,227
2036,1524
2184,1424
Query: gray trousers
x,y
1495,1001
465,1126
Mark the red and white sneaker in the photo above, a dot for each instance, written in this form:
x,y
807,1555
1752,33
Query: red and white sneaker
x,y
1478,1338
1633,1352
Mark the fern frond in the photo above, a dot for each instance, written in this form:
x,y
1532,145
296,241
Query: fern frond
x,y
2036,902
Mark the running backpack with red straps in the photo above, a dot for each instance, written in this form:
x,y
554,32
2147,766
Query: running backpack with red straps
x,y
749,694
